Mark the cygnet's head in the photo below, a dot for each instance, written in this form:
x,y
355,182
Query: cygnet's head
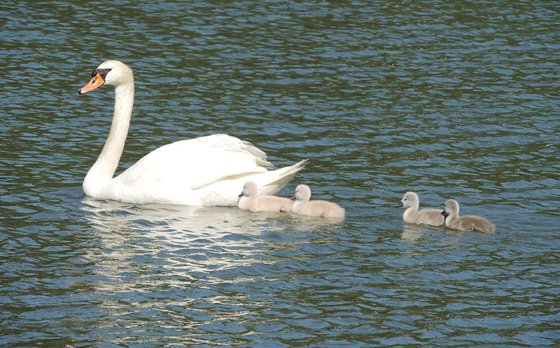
x,y
410,199
303,193
110,72
249,189
451,208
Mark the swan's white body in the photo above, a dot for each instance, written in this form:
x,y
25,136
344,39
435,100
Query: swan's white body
x,y
205,171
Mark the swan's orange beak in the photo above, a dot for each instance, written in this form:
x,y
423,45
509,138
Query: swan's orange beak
x,y
96,81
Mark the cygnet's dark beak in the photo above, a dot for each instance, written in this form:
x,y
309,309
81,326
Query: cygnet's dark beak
x,y
399,205
445,214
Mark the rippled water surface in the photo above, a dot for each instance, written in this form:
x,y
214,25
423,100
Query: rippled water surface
x,y
451,100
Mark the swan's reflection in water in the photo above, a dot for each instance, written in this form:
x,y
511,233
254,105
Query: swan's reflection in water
x,y
194,268
171,220
183,241
114,217
200,237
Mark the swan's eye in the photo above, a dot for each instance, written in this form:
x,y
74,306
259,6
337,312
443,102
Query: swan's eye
x,y
102,72
93,73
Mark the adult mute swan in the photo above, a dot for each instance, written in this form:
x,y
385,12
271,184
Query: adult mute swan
x,y
205,171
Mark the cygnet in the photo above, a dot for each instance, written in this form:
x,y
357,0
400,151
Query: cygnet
x,y
250,200
304,206
466,222
427,216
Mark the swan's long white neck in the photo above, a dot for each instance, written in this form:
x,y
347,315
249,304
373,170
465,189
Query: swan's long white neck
x,y
101,173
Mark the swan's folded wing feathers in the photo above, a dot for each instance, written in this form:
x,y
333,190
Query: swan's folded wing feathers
x,y
229,143
218,157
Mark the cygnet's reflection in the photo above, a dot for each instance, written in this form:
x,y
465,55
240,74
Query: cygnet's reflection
x,y
413,233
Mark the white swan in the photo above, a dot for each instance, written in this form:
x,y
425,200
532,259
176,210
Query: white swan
x,y
205,171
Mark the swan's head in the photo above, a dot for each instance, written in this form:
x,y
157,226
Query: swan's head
x,y
303,193
110,72
451,208
410,199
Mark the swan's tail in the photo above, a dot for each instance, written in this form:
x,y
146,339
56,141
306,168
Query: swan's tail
x,y
280,178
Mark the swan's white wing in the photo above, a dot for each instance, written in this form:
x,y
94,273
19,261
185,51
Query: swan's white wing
x,y
195,163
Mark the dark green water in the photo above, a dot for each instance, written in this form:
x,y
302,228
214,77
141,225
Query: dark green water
x,y
451,100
